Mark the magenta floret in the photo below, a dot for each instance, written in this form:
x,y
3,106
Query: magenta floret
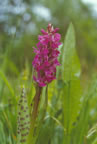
x,y
46,58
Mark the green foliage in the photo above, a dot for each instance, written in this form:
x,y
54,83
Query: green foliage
x,y
71,78
65,114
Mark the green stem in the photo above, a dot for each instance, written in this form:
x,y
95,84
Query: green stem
x,y
42,114
34,114
67,118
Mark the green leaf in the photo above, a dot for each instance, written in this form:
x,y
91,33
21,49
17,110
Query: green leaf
x,y
92,131
82,124
71,77
95,141
2,134
7,83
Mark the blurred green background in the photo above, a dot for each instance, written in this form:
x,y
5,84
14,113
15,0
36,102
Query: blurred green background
x,y
22,20
20,24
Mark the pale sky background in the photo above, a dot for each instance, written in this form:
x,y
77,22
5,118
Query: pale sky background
x,y
93,4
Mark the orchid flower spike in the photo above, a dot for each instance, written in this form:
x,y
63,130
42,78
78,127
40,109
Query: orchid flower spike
x,y
46,58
